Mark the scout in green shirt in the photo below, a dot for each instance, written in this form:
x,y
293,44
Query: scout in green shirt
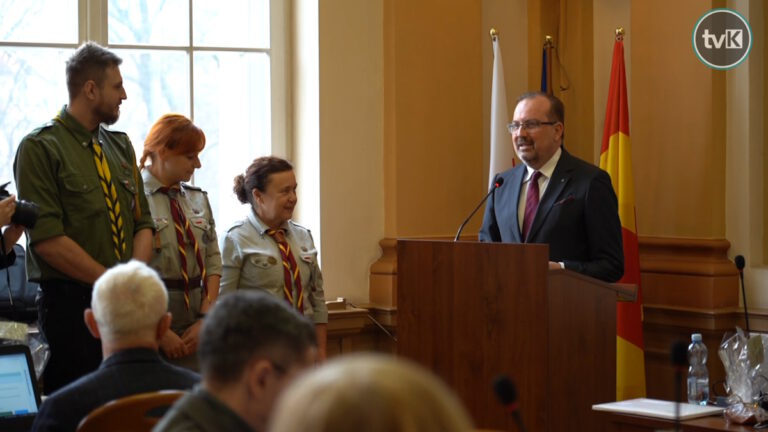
x,y
55,168
93,212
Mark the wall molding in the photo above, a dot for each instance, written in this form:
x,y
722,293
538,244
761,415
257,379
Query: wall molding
x,y
687,272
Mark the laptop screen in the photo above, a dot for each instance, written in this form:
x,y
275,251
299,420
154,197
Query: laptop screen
x,y
19,398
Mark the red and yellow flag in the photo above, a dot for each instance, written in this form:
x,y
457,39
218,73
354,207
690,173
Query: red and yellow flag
x,y
616,159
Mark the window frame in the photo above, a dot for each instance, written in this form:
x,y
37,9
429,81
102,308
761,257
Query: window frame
x,y
93,25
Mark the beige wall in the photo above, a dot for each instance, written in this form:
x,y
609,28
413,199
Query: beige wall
x,y
608,16
404,91
350,144
744,160
678,113
433,115
509,20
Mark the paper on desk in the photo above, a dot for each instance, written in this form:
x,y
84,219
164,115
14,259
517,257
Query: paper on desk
x,y
658,408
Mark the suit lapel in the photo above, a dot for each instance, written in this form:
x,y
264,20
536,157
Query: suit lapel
x,y
515,183
560,177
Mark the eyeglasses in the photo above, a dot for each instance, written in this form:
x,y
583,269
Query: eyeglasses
x,y
530,125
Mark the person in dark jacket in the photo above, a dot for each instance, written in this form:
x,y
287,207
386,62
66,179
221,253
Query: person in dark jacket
x,y
129,313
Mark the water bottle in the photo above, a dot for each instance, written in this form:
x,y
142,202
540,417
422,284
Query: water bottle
x,y
698,376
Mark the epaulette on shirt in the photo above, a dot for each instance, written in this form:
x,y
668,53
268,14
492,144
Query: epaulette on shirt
x,y
114,132
106,129
194,188
42,128
236,225
300,226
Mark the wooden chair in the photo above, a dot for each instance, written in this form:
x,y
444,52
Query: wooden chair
x,y
136,413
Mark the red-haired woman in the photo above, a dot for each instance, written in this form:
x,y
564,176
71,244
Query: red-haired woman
x,y
185,248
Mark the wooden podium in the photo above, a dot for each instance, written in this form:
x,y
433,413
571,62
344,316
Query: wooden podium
x,y
471,311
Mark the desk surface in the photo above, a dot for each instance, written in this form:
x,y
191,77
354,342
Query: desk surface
x,y
617,422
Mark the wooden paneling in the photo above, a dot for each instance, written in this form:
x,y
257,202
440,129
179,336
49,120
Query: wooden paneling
x,y
665,325
689,286
470,311
383,278
352,329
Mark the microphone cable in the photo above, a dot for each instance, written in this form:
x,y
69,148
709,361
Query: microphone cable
x,y
378,324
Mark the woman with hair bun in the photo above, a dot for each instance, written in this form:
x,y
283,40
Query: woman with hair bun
x,y
185,248
270,252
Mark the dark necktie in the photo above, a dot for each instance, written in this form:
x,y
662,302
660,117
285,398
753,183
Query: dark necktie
x,y
181,225
531,204
291,273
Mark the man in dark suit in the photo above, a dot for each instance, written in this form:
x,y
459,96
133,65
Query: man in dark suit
x,y
129,314
555,198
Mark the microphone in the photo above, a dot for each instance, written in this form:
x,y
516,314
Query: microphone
x,y
498,181
740,263
679,355
506,393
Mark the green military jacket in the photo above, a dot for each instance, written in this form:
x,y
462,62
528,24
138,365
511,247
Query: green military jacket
x,y
55,168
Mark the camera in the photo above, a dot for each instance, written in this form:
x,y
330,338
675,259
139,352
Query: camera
x,y
26,211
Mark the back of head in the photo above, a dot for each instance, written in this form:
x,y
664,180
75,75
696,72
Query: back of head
x,y
257,176
249,324
128,302
88,63
173,134
371,392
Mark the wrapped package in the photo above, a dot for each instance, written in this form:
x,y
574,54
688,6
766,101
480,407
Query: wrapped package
x,y
18,333
746,376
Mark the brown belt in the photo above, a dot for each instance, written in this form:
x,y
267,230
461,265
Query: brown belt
x,y
178,284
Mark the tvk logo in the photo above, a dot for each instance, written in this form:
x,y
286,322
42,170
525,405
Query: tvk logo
x,y
722,39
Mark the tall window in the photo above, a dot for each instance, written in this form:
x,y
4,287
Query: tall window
x,y
209,60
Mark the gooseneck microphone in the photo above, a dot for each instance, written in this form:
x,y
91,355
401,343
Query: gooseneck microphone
x,y
679,354
506,392
740,263
498,181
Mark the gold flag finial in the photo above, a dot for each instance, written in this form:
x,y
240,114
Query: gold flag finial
x,y
494,33
548,41
619,33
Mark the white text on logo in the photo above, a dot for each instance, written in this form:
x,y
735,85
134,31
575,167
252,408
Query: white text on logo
x,y
731,37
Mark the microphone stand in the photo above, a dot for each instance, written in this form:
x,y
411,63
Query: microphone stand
x,y
739,260
678,396
496,184
679,354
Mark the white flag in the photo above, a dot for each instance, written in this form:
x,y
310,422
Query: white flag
x,y
502,150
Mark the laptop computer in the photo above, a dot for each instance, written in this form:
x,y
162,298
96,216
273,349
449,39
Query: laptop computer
x,y
19,395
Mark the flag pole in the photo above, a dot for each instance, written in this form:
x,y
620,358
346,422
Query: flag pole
x,y
502,151
616,160
548,44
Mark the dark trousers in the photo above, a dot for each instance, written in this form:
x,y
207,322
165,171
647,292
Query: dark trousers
x,y
74,351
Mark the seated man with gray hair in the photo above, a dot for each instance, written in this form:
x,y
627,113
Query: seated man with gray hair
x,y
129,314
252,345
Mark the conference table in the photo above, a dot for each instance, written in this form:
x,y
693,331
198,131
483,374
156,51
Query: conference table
x,y
619,422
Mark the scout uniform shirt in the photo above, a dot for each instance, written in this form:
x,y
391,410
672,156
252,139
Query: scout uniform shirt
x,y
252,260
165,253
54,168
